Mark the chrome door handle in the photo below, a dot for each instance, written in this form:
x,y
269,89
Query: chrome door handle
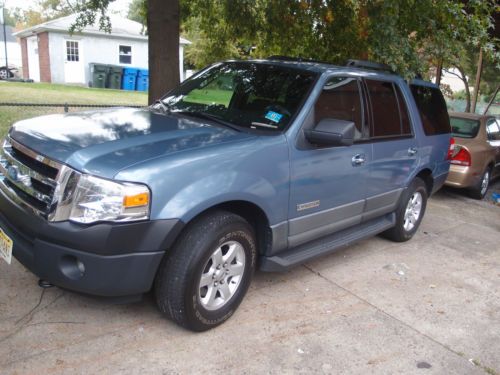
x,y
412,151
358,159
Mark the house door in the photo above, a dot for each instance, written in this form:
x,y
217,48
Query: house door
x,y
33,60
73,64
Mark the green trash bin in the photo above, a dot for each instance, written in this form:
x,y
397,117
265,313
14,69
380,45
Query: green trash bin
x,y
115,77
99,73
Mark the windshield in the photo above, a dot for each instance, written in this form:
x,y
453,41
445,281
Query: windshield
x,y
249,95
464,128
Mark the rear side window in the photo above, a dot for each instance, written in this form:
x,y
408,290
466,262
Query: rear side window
x,y
403,111
388,108
492,128
432,108
463,127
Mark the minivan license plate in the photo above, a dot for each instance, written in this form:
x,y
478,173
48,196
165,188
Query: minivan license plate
x,y
5,247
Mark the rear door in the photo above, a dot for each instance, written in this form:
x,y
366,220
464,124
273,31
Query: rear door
x,y
493,131
395,147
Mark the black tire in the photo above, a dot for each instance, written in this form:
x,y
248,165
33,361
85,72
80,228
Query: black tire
x,y
177,284
5,74
400,232
479,191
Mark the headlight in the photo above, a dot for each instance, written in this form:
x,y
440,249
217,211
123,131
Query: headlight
x,y
96,199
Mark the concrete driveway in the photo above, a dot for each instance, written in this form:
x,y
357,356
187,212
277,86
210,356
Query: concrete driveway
x,y
428,306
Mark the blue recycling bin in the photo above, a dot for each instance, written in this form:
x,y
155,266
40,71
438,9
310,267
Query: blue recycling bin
x,y
129,79
142,80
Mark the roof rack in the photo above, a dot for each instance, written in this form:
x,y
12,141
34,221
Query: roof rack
x,y
296,59
369,65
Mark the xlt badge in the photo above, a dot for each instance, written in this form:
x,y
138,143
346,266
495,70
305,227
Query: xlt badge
x,y
308,205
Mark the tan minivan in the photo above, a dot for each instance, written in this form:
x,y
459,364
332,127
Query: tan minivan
x,y
476,156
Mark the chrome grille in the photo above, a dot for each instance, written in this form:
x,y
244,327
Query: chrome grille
x,y
30,179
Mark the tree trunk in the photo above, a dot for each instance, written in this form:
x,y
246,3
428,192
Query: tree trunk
x,y
478,80
163,31
439,71
467,90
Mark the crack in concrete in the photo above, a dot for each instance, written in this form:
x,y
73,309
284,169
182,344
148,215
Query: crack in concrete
x,y
29,316
446,347
62,322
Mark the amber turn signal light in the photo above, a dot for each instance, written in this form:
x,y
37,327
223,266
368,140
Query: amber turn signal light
x,y
137,200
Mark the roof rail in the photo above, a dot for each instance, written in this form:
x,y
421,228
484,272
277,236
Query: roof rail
x,y
296,59
369,65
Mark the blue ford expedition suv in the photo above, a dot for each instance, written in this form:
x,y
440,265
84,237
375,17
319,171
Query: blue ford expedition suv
x,y
257,164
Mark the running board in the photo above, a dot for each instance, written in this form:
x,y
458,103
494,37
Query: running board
x,y
326,245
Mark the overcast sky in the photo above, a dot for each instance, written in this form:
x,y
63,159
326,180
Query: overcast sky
x,y
117,6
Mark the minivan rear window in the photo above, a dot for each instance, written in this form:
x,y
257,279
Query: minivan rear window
x,y
463,127
432,108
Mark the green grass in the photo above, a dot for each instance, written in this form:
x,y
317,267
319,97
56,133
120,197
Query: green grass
x,y
209,96
15,92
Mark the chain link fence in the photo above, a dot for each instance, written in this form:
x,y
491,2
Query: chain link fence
x,y
12,112
458,105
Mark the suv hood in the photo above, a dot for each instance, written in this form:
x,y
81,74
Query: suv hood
x,y
105,142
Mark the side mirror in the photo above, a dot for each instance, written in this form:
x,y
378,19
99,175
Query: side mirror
x,y
332,132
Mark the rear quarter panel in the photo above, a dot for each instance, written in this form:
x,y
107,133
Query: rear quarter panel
x,y
433,149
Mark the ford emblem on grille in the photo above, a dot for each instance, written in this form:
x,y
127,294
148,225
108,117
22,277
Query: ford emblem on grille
x,y
13,172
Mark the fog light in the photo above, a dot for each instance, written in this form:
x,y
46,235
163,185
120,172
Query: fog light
x,y
72,267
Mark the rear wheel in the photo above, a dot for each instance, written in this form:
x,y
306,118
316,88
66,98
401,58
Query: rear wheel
x,y
409,213
207,273
479,191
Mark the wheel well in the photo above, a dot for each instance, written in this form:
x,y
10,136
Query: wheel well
x,y
253,214
426,176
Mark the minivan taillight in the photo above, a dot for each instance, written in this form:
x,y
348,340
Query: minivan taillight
x,y
451,149
461,156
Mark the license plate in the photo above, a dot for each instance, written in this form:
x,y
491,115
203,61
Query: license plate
x,y
5,247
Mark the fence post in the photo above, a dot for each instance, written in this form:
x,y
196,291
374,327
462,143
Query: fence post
x,y
66,109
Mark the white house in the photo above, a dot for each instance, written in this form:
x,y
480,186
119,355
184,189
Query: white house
x,y
13,48
51,54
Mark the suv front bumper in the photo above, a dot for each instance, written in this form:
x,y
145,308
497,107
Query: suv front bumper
x,y
107,259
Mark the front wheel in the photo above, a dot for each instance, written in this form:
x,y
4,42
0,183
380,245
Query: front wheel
x,y
409,213
205,276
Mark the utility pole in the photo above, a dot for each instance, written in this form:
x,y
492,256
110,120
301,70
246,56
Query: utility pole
x,y
5,43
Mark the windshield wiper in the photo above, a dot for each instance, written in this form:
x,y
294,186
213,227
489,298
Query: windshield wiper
x,y
208,116
162,105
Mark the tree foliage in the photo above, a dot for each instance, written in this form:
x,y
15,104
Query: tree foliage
x,y
408,35
43,11
138,11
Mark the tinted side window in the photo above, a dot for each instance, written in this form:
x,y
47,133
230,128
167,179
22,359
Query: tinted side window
x,y
432,108
493,130
340,99
403,111
385,109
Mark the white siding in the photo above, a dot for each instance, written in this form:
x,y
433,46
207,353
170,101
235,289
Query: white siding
x,y
13,54
94,49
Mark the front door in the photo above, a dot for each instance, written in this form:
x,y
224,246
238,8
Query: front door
x,y
33,59
328,184
73,64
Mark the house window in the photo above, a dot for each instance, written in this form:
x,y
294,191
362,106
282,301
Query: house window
x,y
72,51
125,55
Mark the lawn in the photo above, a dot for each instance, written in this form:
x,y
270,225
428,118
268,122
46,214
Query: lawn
x,y
14,92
